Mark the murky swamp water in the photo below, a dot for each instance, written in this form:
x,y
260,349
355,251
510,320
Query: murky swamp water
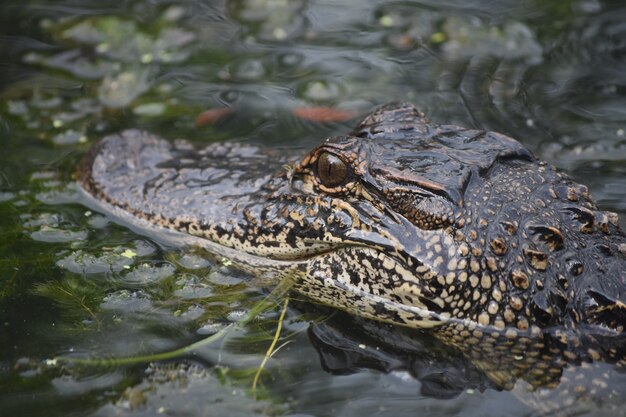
x,y
550,73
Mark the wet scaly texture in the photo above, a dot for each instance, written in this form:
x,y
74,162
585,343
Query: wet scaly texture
x,y
416,224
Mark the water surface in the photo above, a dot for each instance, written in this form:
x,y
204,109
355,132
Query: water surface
x,y
550,73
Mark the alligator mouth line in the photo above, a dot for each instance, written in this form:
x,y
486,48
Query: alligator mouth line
x,y
174,238
267,268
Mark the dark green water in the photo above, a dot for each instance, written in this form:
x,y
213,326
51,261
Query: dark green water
x,y
549,73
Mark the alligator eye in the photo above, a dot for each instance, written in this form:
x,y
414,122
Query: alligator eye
x,y
331,169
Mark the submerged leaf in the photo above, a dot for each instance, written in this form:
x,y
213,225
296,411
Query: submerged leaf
x,y
77,298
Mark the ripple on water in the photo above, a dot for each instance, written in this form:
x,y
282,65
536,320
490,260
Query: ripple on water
x,y
227,277
550,75
148,273
210,328
127,302
74,386
264,20
191,261
65,195
69,137
56,235
97,221
119,39
120,90
190,287
193,312
577,92
53,228
249,70
80,262
6,196
317,90
160,393
109,260
73,62
237,315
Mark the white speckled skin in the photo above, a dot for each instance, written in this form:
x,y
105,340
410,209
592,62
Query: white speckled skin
x,y
431,225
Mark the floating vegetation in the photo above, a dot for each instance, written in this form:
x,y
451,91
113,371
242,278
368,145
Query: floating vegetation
x,y
75,284
71,295
272,348
131,360
198,391
77,297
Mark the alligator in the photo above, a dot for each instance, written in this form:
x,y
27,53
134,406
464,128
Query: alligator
x,y
403,221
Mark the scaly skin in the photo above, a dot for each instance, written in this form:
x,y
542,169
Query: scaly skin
x,y
432,226
402,221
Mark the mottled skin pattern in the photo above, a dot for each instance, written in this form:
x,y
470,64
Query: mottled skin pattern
x,y
402,221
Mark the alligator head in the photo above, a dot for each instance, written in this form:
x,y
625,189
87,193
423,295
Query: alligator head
x,y
401,220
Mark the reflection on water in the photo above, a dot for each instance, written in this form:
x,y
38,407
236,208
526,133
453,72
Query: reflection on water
x,y
551,74
550,371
